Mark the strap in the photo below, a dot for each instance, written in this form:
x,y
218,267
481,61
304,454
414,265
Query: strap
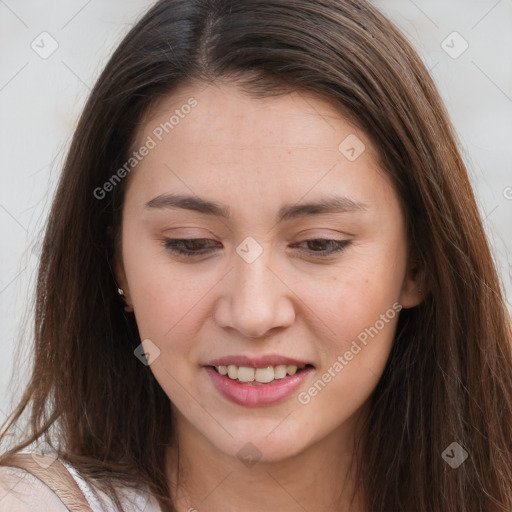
x,y
55,476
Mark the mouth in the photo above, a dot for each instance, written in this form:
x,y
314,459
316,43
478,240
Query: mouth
x,y
256,386
253,376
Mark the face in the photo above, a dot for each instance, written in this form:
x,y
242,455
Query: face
x,y
255,278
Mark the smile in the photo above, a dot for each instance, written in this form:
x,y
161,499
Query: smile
x,y
258,375
255,387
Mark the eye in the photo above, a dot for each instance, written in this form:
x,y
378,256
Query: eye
x,y
187,246
195,247
319,246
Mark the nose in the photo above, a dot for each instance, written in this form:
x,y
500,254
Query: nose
x,y
255,299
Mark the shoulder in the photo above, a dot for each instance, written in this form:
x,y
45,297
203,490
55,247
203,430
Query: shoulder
x,y
132,501
20,491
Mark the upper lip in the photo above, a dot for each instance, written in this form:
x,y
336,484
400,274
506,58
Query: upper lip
x,y
256,362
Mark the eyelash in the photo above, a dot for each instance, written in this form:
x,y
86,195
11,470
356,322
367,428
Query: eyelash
x,y
171,245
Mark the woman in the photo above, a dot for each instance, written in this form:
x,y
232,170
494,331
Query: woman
x,y
265,283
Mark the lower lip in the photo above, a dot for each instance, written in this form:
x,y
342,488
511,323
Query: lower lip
x,y
254,395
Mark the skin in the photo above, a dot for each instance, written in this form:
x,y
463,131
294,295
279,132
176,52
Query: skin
x,y
256,155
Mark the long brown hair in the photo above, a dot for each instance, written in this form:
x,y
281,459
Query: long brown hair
x,y
449,375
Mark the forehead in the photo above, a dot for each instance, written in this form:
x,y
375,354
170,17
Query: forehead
x,y
299,119
215,141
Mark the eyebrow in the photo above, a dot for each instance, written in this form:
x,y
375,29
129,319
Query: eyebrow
x,y
330,204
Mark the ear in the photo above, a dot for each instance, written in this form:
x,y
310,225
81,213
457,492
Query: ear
x,y
413,288
120,275
116,263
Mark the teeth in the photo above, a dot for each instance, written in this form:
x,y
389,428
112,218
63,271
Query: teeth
x,y
280,371
261,375
291,369
246,374
232,371
264,375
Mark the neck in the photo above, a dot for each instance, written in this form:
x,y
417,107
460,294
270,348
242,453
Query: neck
x,y
320,477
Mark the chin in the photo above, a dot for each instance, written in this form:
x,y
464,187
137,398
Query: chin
x,y
260,447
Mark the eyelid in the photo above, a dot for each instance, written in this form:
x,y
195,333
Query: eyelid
x,y
171,243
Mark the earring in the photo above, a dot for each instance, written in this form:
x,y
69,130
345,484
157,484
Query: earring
x,y
128,308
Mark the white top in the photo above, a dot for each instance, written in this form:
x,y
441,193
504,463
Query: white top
x,y
20,491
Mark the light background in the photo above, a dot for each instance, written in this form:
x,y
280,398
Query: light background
x,y
41,99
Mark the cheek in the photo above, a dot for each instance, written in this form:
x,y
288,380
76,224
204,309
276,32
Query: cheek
x,y
172,303
169,305
361,319
365,286
161,293
357,315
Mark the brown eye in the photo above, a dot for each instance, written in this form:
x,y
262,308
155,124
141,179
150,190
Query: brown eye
x,y
187,246
317,246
